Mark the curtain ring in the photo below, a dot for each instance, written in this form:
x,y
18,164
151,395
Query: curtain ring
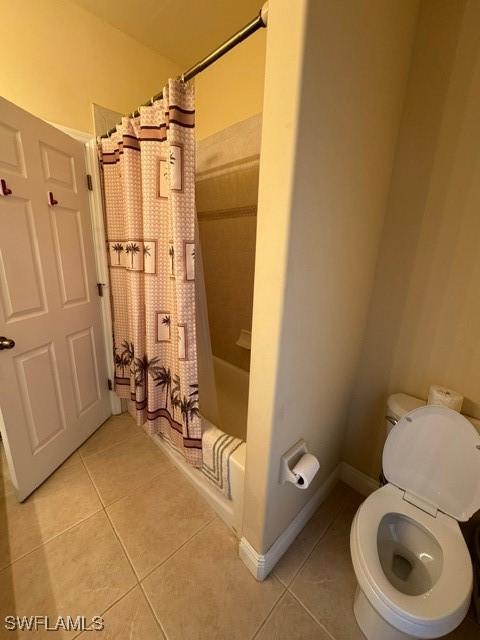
x,y
182,77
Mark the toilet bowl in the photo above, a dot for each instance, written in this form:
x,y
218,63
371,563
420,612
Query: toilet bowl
x,y
413,569
412,565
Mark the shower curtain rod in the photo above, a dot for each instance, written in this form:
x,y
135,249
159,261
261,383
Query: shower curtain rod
x,y
254,25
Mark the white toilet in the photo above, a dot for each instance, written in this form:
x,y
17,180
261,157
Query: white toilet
x,y
413,568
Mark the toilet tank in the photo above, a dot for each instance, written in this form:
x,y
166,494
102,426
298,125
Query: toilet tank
x,y
398,404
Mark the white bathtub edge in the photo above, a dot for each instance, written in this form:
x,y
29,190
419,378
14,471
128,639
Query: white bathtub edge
x,y
232,367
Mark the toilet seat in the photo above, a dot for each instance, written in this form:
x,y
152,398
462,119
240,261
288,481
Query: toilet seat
x,y
440,609
433,453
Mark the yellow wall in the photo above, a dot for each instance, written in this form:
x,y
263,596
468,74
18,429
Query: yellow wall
x,y
56,59
423,324
231,90
333,103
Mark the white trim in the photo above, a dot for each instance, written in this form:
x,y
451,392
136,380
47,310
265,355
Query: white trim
x,y
260,565
99,247
255,562
81,136
359,481
101,260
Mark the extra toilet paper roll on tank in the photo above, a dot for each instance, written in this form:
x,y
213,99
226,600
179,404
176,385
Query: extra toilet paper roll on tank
x,y
305,470
446,397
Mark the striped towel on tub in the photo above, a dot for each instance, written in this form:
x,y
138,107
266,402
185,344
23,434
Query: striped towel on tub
x,y
217,448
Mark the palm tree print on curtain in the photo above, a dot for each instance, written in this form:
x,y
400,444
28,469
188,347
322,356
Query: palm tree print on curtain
x,y
159,381
132,248
118,248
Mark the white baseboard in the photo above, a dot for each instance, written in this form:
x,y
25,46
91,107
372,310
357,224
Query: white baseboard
x,y
260,565
357,480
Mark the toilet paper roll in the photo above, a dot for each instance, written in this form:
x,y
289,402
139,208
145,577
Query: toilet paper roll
x,y
446,397
305,470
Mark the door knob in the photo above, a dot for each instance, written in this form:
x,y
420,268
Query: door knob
x,y
6,343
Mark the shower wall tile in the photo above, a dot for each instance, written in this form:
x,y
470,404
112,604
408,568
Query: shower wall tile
x,y
226,198
228,248
235,143
228,190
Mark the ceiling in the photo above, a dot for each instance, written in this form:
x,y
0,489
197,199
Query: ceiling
x,y
182,30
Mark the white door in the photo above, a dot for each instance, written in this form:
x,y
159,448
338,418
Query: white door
x,y
53,380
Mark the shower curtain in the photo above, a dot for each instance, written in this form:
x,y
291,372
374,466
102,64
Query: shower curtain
x,y
149,189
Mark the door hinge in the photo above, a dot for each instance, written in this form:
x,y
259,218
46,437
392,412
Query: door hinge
x,y
100,286
109,384
89,182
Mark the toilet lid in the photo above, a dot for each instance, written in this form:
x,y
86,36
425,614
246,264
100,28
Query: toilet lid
x,y
433,454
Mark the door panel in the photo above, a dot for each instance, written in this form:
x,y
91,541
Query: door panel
x,y
53,383
84,369
70,253
58,167
20,262
11,150
39,384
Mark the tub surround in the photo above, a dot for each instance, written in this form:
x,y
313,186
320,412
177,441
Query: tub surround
x,y
226,197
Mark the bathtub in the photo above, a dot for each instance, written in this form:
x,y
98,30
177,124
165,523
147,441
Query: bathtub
x,y
232,396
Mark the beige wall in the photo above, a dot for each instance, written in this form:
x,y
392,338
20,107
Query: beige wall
x,y
423,325
329,133
56,59
231,90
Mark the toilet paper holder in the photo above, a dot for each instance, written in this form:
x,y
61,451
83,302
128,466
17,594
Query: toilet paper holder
x,y
289,459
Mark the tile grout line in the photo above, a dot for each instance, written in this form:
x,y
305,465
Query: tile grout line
x,y
104,509
271,612
204,526
307,610
156,618
111,605
101,507
138,580
105,506
137,583
130,491
322,536
43,544
108,447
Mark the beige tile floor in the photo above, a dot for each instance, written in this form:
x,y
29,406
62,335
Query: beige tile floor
x,y
117,531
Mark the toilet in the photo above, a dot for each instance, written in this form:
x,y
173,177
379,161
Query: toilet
x,y
413,569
